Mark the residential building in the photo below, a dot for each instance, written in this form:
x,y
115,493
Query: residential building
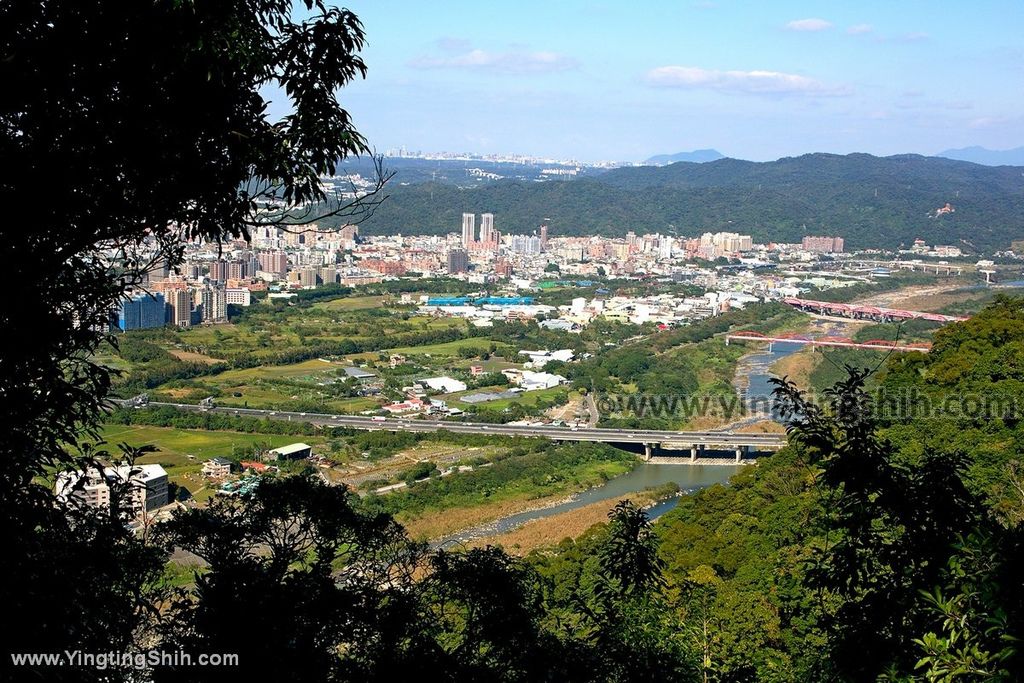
x,y
275,262
328,275
217,468
468,229
142,311
307,276
146,486
238,296
213,303
458,261
822,245
487,227
219,271
180,301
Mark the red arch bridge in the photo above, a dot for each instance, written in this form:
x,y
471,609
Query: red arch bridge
x,y
867,312
840,342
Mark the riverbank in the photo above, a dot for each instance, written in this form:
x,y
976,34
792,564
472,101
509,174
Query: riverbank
x,y
647,476
550,531
442,525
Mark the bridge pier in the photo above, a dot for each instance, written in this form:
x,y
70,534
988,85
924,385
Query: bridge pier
x,y
647,452
740,452
693,454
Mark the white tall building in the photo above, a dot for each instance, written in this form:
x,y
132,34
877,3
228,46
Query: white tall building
x,y
665,245
487,227
468,229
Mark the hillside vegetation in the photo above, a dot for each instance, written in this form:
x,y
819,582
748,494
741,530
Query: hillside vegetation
x,y
870,201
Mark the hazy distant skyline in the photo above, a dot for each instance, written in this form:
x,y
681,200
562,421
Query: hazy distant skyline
x,y
604,81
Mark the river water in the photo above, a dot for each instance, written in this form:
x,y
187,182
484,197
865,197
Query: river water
x,y
689,478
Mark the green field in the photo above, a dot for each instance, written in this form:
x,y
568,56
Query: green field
x,y
351,304
273,387
446,349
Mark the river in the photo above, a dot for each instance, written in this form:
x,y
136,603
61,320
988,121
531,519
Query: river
x,y
689,478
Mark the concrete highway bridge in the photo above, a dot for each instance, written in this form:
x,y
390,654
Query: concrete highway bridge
x,y
696,444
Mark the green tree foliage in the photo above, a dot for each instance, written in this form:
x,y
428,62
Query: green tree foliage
x,y
137,171
891,527
295,565
605,593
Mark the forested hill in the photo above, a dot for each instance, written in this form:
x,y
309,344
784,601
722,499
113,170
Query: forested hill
x,y
870,201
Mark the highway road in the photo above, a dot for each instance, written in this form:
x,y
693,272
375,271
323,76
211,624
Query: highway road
x,y
582,433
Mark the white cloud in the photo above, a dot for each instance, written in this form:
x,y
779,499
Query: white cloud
x,y
812,24
988,122
513,61
860,29
913,37
751,82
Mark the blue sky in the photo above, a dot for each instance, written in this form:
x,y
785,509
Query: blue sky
x,y
757,80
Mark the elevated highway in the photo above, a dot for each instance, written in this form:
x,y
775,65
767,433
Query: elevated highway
x,y
651,440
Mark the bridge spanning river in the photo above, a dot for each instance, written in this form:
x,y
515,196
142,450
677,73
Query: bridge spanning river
x,y
696,444
861,312
840,342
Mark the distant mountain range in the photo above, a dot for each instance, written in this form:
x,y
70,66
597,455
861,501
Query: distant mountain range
x,y
988,157
697,156
870,201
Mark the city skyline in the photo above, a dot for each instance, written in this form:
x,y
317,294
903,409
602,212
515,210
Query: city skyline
x,y
754,82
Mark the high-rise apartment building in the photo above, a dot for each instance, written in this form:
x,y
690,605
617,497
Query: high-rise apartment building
x,y
142,311
721,243
213,303
544,236
458,261
665,245
180,301
487,227
468,229
237,270
308,276
328,275
219,271
275,262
